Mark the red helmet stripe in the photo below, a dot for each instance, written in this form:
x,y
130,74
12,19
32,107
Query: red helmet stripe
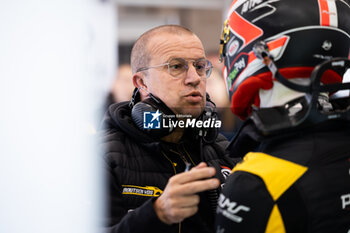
x,y
324,12
244,29
277,43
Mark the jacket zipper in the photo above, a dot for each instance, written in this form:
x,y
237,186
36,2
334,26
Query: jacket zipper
x,y
188,155
182,156
212,194
172,164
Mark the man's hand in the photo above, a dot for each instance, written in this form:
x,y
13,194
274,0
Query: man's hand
x,y
179,199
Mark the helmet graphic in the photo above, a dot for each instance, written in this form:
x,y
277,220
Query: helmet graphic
x,y
299,35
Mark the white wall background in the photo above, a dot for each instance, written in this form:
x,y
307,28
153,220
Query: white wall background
x,y
56,60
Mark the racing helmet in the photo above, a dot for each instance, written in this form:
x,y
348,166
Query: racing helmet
x,y
299,35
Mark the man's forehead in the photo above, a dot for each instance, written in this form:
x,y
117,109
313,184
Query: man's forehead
x,y
170,46
169,58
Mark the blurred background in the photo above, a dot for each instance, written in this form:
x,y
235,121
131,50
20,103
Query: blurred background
x,y
203,17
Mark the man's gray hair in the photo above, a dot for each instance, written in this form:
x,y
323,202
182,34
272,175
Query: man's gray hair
x,y
140,57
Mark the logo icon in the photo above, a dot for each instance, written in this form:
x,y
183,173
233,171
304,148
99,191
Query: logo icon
x,y
151,120
327,45
225,171
234,46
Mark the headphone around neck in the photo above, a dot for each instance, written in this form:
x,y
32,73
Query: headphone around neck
x,y
154,104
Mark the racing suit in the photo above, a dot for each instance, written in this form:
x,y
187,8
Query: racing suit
x,y
297,181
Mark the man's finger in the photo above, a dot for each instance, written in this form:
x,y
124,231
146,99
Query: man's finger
x,y
200,165
199,186
192,175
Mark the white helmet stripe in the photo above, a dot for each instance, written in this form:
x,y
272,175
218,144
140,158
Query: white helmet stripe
x,y
328,13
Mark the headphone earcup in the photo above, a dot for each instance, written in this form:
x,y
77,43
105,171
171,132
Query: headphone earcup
x,y
137,113
150,105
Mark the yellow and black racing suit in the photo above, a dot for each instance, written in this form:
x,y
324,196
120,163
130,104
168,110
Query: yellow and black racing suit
x,y
294,182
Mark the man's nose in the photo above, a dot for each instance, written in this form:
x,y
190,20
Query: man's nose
x,y
192,77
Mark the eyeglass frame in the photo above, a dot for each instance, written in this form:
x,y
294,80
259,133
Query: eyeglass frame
x,y
187,62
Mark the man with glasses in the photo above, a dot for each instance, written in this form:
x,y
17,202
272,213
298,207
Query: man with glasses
x,y
151,187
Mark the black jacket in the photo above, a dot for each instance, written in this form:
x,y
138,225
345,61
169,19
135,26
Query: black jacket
x,y
296,181
138,170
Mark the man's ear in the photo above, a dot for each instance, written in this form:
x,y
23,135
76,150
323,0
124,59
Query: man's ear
x,y
139,81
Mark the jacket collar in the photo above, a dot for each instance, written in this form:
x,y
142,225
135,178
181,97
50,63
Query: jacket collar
x,y
119,116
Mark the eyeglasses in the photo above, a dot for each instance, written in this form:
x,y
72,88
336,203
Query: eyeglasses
x,y
177,67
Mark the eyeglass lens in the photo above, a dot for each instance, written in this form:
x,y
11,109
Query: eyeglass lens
x,y
178,66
